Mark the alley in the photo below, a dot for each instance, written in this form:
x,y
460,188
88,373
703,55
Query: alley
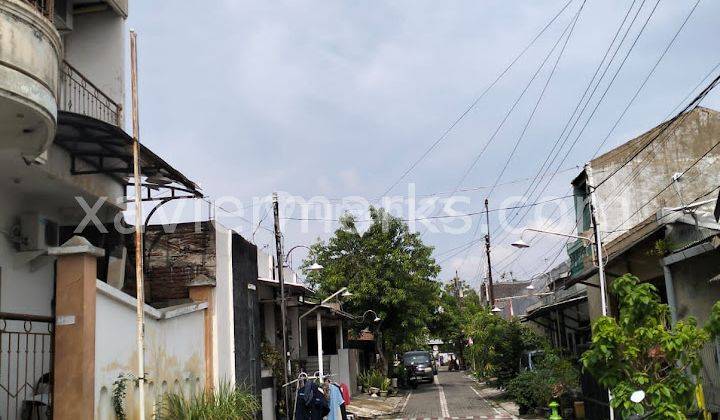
x,y
453,396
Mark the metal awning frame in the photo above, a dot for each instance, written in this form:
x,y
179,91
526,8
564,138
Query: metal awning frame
x,y
96,147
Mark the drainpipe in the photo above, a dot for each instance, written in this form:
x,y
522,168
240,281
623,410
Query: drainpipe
x,y
670,290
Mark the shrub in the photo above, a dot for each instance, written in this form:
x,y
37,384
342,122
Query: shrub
x,y
498,345
552,377
226,402
639,351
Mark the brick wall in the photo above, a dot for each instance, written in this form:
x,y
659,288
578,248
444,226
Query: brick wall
x,y
174,258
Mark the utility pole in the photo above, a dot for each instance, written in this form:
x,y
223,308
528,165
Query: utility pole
x,y
456,280
490,292
599,253
139,284
283,303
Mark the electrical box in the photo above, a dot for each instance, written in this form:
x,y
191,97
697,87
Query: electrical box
x,y
37,232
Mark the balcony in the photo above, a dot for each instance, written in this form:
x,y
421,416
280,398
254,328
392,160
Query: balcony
x,y
30,51
79,95
45,7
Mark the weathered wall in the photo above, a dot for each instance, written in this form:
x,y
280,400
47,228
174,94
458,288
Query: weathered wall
x,y
29,57
695,297
246,311
176,257
674,151
174,358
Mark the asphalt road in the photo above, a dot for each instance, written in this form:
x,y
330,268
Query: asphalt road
x,y
452,396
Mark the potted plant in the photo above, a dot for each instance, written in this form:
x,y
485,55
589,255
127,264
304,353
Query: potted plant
x,y
384,387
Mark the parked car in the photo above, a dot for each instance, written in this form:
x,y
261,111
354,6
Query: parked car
x,y
418,367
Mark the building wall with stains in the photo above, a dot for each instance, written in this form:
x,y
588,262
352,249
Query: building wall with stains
x,y
643,186
176,254
174,356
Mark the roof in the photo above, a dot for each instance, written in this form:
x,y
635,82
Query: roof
x,y
645,229
534,313
98,147
288,285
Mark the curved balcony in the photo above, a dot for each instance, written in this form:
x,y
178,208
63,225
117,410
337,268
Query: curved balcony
x,y
30,52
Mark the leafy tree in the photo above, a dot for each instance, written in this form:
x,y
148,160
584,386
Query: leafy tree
x,y
450,323
639,351
498,345
388,269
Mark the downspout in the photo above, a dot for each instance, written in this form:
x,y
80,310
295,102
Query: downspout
x,y
670,290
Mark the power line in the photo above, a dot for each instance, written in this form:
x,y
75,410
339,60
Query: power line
x,y
475,102
537,103
604,94
542,172
474,213
649,75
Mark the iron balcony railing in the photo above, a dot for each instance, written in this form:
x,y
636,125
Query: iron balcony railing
x,y
46,7
81,96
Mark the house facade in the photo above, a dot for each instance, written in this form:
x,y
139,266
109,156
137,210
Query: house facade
x,y
654,198
67,321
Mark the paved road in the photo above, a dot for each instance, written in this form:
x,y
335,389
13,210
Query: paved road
x,y
454,395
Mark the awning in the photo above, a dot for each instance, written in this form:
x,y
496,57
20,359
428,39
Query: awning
x,y
288,285
554,307
96,147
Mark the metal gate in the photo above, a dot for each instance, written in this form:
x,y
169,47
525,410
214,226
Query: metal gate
x,y
26,360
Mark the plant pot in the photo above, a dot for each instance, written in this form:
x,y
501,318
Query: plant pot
x,y
393,382
360,389
384,394
373,390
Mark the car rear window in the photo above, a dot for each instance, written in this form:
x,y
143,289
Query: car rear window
x,y
416,358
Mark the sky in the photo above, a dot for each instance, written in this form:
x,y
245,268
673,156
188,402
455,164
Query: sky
x,y
324,100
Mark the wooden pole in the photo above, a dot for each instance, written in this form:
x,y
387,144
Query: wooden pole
x,y
490,291
139,286
283,303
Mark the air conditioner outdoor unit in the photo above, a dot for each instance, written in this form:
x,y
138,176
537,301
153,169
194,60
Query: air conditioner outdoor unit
x,y
63,15
37,232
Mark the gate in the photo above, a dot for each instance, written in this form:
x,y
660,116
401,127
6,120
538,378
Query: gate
x,y
26,359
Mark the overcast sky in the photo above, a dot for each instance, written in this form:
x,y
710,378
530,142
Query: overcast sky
x,y
338,98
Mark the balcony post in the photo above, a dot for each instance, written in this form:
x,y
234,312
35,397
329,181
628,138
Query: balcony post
x,y
74,356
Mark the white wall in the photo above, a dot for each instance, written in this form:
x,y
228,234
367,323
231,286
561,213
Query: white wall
x,y
96,47
174,350
225,335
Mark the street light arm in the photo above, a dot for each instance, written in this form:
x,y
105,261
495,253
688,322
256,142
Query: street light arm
x,y
287,256
324,301
555,233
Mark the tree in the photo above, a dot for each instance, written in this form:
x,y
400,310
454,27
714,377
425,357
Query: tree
x,y
387,269
498,345
640,351
459,303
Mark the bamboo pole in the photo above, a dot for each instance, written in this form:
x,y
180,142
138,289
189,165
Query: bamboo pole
x,y
139,283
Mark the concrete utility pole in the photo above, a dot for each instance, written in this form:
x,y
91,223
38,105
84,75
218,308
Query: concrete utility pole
x,y
599,251
139,283
283,303
490,291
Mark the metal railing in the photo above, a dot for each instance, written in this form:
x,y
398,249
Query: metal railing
x,y
46,7
79,95
26,361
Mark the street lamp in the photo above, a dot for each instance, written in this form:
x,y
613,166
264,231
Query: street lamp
x,y
377,318
522,244
315,267
601,266
343,292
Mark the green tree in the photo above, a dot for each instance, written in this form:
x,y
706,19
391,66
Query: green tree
x,y
459,303
388,269
498,345
640,351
